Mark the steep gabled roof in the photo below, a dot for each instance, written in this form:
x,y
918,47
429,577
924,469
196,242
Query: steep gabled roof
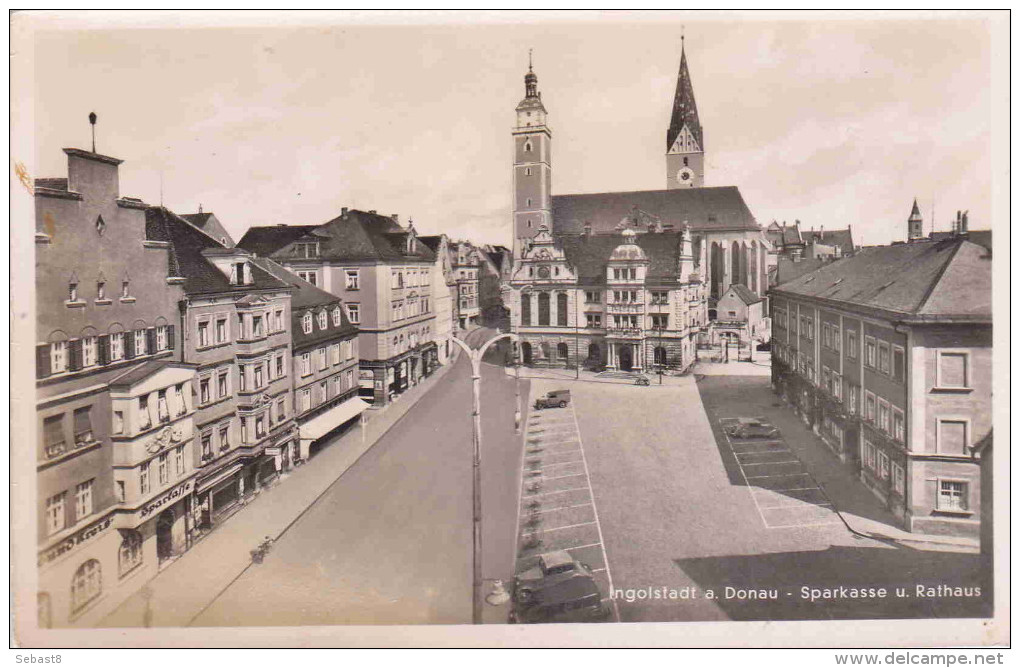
x,y
841,238
744,294
925,280
685,111
704,209
207,222
186,259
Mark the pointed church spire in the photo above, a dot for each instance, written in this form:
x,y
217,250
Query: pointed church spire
x,y
915,224
685,111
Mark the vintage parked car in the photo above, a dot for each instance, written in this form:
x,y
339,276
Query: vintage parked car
x,y
752,429
551,568
576,599
555,398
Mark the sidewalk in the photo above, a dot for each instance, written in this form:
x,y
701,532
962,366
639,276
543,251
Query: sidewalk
x,y
183,589
571,375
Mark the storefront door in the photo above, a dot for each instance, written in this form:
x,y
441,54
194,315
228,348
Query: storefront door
x,y
164,535
626,357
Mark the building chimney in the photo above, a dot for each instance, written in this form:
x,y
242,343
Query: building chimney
x,y
963,223
395,217
200,207
343,211
372,211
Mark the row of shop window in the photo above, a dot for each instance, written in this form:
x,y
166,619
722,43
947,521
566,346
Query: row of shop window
x,y
95,351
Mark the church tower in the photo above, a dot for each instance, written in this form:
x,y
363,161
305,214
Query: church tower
x,y
532,205
685,145
915,224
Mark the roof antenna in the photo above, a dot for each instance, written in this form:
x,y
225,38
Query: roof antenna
x,y
92,120
529,59
681,37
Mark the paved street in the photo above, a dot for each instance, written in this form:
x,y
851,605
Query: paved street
x,y
390,542
677,509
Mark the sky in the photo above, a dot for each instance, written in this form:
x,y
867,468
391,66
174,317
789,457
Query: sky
x,y
827,119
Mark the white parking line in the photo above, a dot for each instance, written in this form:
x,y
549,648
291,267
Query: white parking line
x,y
802,504
797,526
780,475
549,510
791,489
569,526
598,526
560,477
581,547
559,491
785,461
572,461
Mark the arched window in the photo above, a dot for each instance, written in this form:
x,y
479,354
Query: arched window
x,y
527,147
543,309
685,162
561,309
562,351
86,585
130,552
526,308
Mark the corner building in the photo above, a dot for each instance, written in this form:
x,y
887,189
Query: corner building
x,y
887,355
114,402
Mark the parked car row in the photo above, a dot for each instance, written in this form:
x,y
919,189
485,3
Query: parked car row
x,y
557,589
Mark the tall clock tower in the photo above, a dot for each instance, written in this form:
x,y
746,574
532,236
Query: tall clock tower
x,y
685,143
532,205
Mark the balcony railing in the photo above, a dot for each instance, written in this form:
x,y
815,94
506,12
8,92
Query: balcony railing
x,y
625,307
630,332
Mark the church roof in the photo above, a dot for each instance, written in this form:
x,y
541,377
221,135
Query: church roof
x,y
915,212
704,209
744,294
685,111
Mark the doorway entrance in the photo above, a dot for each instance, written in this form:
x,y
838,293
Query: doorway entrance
x,y
526,352
626,358
164,535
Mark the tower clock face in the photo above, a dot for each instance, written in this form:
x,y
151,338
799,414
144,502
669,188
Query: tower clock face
x,y
685,175
543,272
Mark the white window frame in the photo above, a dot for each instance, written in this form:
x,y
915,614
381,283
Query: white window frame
x,y
116,346
900,433
323,358
871,363
323,320
161,337
354,313
90,351
199,329
306,399
899,478
84,501
58,356
337,319
352,279
56,513
965,496
306,364
306,323
334,354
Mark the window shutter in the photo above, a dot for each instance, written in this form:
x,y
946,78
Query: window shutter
x,y
170,337
150,341
129,345
42,361
104,349
74,355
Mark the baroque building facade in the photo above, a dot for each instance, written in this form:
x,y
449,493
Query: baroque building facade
x,y
697,242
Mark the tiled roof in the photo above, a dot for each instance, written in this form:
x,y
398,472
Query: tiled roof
x,y
841,238
307,296
196,219
948,279
979,237
185,257
744,294
432,241
589,255
356,235
264,241
788,269
704,209
791,234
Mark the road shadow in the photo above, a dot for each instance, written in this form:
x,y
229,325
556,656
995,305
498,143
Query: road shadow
x,y
770,586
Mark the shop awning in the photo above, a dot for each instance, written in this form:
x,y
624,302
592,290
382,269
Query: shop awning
x,y
331,419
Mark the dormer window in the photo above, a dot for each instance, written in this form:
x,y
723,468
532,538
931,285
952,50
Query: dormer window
x,y
336,316
306,323
322,320
412,247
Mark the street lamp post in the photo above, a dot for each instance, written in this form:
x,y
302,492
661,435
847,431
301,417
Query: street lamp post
x,y
475,355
